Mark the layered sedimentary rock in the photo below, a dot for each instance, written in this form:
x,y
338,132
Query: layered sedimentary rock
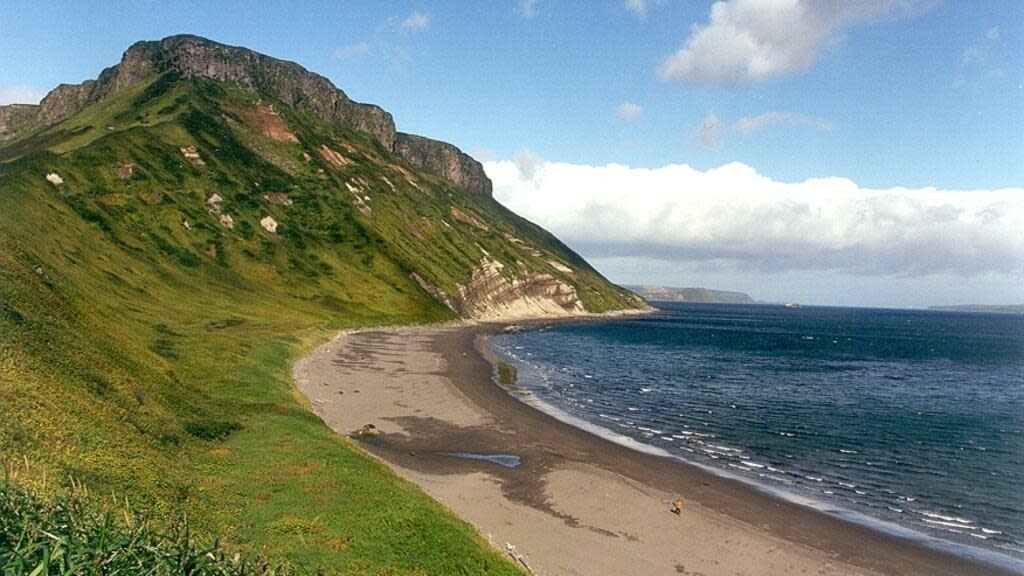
x,y
489,294
293,85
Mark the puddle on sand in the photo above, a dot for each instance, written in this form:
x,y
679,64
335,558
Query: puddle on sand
x,y
506,460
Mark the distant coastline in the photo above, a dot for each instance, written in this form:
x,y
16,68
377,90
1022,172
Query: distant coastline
x,y
988,308
700,295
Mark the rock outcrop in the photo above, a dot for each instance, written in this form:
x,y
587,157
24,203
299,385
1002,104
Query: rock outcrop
x,y
444,160
489,295
296,87
15,117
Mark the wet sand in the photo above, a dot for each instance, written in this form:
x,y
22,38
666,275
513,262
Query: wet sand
x,y
576,503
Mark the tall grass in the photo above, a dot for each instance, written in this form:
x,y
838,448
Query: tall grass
x,y
71,534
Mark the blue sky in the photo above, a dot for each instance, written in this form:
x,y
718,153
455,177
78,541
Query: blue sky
x,y
901,96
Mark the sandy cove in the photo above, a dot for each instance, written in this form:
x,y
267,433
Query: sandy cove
x,y
577,503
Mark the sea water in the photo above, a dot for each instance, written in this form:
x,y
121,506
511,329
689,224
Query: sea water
x,y
913,419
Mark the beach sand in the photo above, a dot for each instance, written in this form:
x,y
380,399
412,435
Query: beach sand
x,y
576,503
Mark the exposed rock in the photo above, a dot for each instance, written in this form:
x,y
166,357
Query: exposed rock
x,y
213,203
333,157
124,171
15,117
191,56
269,224
279,198
560,267
192,155
54,178
443,159
227,221
489,295
469,218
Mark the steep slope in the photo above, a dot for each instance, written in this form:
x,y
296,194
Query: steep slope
x,y
174,233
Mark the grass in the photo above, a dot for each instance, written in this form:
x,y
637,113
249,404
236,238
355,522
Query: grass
x,y
146,348
70,534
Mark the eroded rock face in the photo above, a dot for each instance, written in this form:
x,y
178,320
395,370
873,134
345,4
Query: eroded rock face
x,y
14,117
444,160
192,56
489,295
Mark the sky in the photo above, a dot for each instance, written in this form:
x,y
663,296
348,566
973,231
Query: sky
x,y
864,153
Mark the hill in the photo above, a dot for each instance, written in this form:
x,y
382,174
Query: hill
x,y
176,232
672,294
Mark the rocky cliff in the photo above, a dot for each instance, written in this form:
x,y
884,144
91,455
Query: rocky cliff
x,y
444,160
15,117
489,295
293,85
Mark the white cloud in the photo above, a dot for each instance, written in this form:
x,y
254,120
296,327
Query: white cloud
x,y
629,111
416,22
351,51
733,216
753,124
979,60
638,7
711,131
20,95
642,7
753,40
526,9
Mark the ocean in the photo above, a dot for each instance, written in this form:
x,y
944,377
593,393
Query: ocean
x,y
911,421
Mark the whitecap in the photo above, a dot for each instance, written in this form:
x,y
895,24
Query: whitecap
x,y
948,524
946,518
753,464
988,531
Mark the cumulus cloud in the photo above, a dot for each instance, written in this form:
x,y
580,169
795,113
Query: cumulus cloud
x,y
20,95
734,216
351,51
711,131
752,40
629,111
416,22
526,9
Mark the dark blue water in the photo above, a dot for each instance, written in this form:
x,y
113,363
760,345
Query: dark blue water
x,y
908,417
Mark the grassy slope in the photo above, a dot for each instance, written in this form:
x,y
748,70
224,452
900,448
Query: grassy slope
x,y
146,358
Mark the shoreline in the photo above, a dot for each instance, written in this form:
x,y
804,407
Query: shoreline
x,y
577,503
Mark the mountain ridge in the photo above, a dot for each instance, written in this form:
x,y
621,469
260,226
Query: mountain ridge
x,y
194,56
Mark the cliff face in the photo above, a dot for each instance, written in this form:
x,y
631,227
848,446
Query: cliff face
x,y
191,56
444,160
15,117
489,295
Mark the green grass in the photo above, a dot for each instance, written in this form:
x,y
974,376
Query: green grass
x,y
71,534
151,359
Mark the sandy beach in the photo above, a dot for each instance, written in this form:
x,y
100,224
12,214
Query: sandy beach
x,y
575,503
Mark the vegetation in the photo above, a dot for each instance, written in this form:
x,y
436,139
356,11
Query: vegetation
x,y
148,323
68,534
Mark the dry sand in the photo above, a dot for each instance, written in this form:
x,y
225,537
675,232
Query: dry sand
x,y
576,504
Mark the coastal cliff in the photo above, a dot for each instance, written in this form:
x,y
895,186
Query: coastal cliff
x,y
188,56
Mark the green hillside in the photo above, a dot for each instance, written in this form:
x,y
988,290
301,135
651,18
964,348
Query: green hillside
x,y
148,320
